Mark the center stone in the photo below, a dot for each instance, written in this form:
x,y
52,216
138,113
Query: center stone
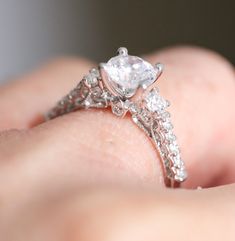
x,y
125,73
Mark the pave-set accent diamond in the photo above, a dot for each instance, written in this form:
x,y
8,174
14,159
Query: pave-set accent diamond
x,y
87,94
171,157
115,85
157,125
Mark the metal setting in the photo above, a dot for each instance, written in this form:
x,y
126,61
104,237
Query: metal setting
x,y
146,106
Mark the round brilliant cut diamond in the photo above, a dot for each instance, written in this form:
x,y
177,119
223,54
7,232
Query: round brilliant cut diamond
x,y
126,73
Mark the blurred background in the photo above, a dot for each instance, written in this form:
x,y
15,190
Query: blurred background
x,y
33,31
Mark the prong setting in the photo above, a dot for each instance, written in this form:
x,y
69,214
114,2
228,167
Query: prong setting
x,y
126,74
122,51
159,67
102,65
125,83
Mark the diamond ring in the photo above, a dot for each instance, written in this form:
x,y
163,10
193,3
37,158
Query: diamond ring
x,y
125,83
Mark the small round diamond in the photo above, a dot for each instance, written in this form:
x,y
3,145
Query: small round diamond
x,y
167,126
155,102
170,136
95,73
177,161
173,147
91,79
181,174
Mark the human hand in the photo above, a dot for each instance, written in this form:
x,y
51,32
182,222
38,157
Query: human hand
x,y
50,169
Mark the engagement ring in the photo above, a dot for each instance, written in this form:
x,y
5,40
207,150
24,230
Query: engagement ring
x,y
125,83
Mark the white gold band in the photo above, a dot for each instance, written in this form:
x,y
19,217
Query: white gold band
x,y
148,112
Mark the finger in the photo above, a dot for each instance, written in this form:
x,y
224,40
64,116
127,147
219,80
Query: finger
x,y
164,216
127,214
204,122
24,101
201,86
96,143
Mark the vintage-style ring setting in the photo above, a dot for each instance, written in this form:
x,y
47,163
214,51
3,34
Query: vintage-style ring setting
x,y
125,83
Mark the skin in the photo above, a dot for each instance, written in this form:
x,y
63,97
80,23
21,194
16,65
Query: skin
x,y
92,176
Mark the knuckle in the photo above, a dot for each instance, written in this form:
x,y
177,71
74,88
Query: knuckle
x,y
196,70
204,68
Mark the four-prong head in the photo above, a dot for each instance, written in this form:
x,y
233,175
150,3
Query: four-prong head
x,y
124,74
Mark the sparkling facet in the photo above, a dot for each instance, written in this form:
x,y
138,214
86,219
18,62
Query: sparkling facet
x,y
155,102
167,125
165,116
95,73
174,148
126,73
181,174
170,136
177,161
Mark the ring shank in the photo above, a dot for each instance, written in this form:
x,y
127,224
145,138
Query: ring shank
x,y
91,92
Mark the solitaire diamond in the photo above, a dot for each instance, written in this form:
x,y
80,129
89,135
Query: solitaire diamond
x,y
125,73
